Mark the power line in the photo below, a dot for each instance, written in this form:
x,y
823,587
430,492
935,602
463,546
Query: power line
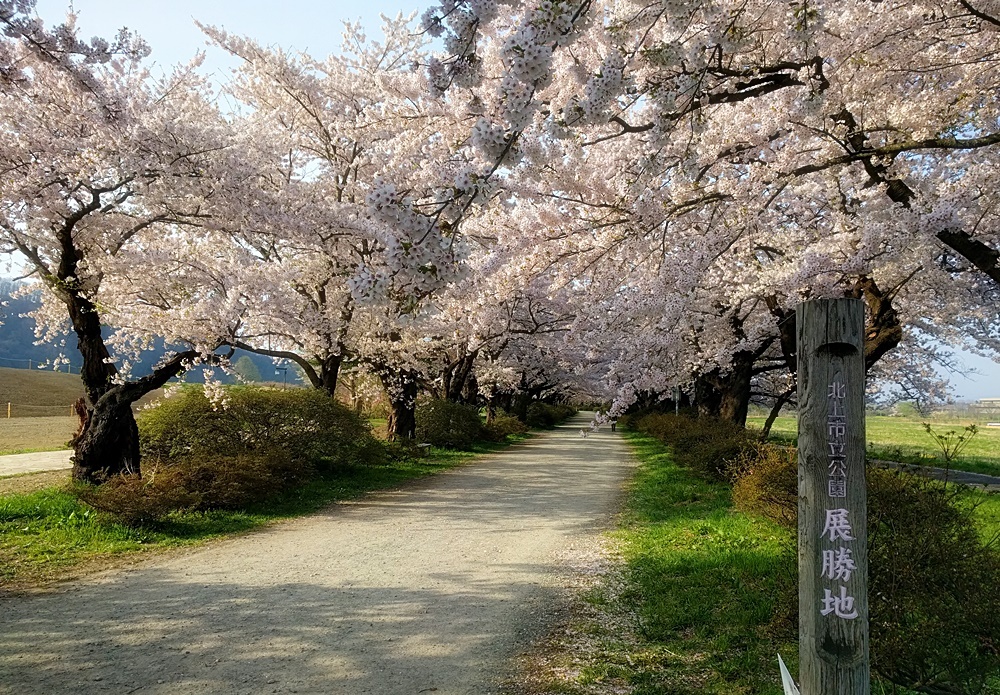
x,y
24,363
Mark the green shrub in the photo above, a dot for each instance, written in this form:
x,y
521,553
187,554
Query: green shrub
x,y
766,483
504,425
546,415
305,423
934,607
257,444
197,482
138,501
241,481
707,446
447,424
933,586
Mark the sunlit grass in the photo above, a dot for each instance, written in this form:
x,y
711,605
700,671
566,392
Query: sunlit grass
x,y
702,590
902,439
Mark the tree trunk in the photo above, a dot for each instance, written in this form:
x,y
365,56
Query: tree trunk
x,y
329,373
779,403
707,399
108,442
470,394
491,408
401,388
108,445
735,389
456,376
726,396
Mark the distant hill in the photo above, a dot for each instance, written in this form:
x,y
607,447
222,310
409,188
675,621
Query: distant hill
x,y
17,348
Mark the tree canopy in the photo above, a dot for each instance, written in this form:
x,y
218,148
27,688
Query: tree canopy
x,y
614,199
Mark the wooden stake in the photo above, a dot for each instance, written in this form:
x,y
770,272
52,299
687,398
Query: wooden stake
x,y
833,540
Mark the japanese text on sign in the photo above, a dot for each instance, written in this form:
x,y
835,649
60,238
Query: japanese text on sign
x,y
838,560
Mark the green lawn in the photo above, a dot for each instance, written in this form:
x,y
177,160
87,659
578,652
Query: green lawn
x,y
903,439
705,599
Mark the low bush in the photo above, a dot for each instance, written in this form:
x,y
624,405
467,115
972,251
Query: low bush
x,y
547,415
305,423
709,447
934,607
766,483
257,444
197,482
504,425
448,425
136,501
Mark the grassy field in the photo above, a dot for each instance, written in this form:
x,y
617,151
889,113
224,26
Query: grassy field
x,y
48,534
19,435
38,390
701,602
903,439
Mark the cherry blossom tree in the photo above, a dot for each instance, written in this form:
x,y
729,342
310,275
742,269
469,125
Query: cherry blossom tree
x,y
859,134
104,166
352,142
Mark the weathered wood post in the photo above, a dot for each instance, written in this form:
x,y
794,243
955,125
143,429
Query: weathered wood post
x,y
833,539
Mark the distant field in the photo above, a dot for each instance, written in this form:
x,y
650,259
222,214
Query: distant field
x,y
38,392
41,409
19,435
904,439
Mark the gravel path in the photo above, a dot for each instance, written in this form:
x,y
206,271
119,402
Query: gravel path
x,y
15,464
427,589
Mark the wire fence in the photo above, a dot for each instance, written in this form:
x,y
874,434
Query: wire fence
x,y
17,363
18,410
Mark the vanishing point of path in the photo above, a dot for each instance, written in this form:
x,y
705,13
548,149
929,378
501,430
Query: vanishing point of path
x,y
427,589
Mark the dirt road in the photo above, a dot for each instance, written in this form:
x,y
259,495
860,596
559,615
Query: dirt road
x,y
429,589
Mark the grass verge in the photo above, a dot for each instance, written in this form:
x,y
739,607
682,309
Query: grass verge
x,y
48,534
694,605
699,597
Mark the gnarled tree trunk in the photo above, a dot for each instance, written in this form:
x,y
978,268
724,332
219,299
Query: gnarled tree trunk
x,y
726,395
108,442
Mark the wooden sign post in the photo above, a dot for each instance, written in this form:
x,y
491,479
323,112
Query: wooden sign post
x,y
833,540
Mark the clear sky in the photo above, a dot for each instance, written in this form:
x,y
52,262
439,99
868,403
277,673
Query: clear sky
x,y
168,27
307,25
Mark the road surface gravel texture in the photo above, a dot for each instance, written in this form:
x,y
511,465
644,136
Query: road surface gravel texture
x,y
428,589
16,464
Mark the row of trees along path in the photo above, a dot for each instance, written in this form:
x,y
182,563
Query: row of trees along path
x,y
425,589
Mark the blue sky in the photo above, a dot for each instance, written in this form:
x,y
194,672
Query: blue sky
x,y
307,25
168,27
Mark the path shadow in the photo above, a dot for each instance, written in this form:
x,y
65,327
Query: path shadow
x,y
169,636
